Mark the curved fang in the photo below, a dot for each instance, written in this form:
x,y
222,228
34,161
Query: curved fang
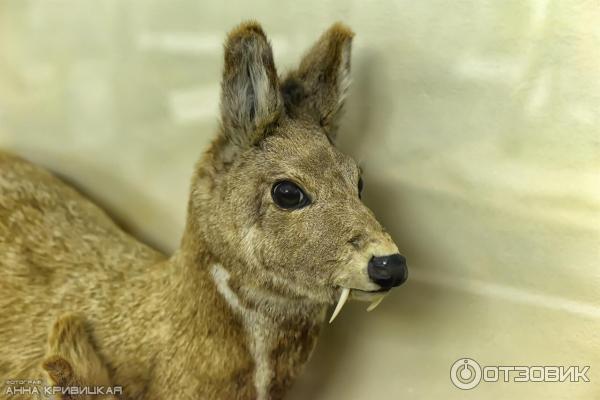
x,y
340,304
375,303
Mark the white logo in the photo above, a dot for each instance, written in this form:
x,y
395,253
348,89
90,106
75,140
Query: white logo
x,y
465,373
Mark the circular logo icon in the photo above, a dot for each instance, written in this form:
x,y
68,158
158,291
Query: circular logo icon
x,y
465,373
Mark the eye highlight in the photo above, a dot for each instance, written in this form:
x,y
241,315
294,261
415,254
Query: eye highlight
x,y
360,187
289,196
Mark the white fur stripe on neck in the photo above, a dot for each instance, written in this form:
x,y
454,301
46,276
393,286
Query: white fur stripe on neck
x,y
257,328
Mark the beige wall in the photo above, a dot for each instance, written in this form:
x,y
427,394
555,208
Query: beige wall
x,y
477,123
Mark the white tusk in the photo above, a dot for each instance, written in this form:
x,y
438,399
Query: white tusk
x,y
375,303
340,304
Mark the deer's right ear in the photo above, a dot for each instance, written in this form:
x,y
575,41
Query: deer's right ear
x,y
250,98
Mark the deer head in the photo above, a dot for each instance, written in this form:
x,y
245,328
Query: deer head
x,y
273,199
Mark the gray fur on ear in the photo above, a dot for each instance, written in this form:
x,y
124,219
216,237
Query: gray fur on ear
x,y
250,96
318,87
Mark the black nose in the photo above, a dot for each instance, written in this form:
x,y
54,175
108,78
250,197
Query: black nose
x,y
388,271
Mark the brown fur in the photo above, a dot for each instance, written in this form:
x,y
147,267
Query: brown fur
x,y
177,327
73,361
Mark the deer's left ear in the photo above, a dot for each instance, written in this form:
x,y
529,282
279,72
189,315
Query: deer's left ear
x,y
318,87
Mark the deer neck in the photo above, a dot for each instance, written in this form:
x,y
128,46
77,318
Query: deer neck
x,y
263,339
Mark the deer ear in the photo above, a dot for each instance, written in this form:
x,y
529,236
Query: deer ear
x,y
250,96
59,370
318,87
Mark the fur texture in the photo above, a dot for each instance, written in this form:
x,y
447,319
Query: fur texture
x,y
72,359
236,311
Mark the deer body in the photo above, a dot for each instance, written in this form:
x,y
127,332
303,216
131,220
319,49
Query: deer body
x,y
167,319
235,311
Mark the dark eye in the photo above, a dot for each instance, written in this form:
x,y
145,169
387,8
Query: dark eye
x,y
289,196
360,187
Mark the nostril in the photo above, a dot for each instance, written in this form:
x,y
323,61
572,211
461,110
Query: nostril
x,y
381,272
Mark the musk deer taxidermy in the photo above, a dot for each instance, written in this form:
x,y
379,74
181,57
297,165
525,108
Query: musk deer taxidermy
x,y
275,233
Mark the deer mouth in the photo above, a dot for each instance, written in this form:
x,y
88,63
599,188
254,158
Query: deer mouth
x,y
375,297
